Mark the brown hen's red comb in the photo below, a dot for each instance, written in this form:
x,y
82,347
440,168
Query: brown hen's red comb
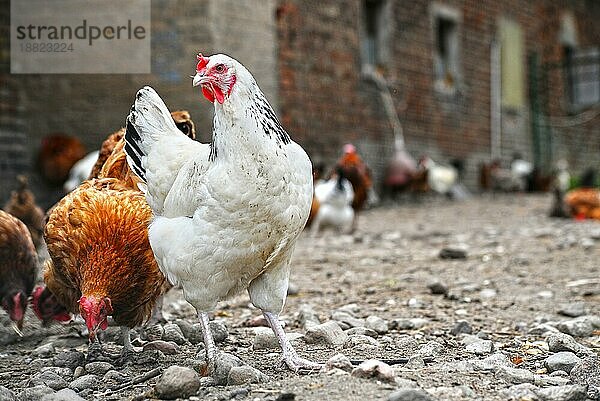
x,y
202,62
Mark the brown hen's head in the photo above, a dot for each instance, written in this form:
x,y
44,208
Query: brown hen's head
x,y
15,304
95,312
46,306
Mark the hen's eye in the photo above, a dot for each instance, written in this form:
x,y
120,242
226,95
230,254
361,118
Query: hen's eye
x,y
220,68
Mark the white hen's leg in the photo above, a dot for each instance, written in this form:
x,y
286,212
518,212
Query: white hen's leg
x,y
209,342
290,357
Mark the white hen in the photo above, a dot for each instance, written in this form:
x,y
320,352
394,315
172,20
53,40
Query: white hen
x,y
81,171
335,198
228,214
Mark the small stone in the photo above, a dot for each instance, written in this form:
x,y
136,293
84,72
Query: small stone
x,y
574,309
488,293
35,393
363,331
587,373
6,394
98,368
563,342
493,362
48,378
244,375
461,327
166,347
113,375
345,318
415,303
218,330
418,322
223,364
374,369
563,393
514,375
583,326
453,253
153,333
307,316
83,382
286,396
438,288
63,395
256,321
63,372
266,339
409,394
521,392
328,333
481,347
79,371
177,382
432,348
39,363
415,362
361,340
543,329
561,361
406,345
339,361
376,323
69,359
192,332
546,380
173,333
43,351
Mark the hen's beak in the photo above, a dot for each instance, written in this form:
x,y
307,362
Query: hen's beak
x,y
197,80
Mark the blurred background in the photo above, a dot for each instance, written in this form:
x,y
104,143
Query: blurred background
x,y
467,83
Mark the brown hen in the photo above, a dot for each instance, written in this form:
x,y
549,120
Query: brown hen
x,y
18,268
22,205
58,153
101,261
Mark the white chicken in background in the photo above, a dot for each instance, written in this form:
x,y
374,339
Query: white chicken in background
x,y
228,214
335,198
80,171
440,178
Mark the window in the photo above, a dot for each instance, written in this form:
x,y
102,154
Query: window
x,y
582,69
376,32
512,64
446,52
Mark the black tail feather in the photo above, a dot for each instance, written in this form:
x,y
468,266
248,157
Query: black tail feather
x,y
133,151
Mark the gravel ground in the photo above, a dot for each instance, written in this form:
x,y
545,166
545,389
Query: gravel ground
x,y
511,312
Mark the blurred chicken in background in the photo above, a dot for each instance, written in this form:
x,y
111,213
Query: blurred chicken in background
x,y
22,205
400,170
440,178
81,171
584,202
335,198
358,173
57,155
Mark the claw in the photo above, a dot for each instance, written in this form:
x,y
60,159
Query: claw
x,y
16,329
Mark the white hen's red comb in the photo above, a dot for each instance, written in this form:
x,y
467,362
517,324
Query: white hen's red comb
x,y
202,62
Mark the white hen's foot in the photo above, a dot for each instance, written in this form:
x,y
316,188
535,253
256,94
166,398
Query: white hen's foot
x,y
290,357
209,342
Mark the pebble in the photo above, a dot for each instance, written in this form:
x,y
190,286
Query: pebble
x,y
563,360
409,324
38,363
359,339
307,316
329,333
582,326
116,376
546,380
409,394
574,309
35,393
415,362
347,320
177,382
493,362
480,347
43,351
173,333
63,395
587,373
543,329
83,382
406,345
563,342
98,368
286,396
563,393
63,372
69,359
192,332
266,339
363,331
6,394
438,288
79,371
415,303
245,375
166,347
377,324
453,253
488,293
219,330
154,332
48,378
514,375
223,364
374,369
520,392
461,327
339,361
431,348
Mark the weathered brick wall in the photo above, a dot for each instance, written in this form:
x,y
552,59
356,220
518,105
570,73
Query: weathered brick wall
x,y
326,103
